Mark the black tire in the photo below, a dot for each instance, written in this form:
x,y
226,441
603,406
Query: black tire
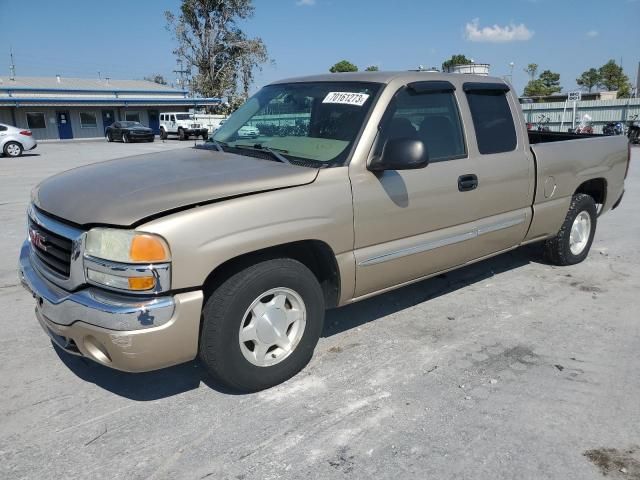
x,y
181,134
125,138
205,137
163,134
109,137
12,149
223,312
557,249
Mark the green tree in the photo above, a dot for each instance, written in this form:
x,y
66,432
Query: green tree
x,y
547,83
343,66
535,88
532,71
372,68
457,59
589,79
156,78
210,40
551,81
612,78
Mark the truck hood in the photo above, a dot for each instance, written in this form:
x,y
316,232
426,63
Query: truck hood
x,y
126,191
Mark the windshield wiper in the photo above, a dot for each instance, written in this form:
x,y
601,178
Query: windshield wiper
x,y
274,152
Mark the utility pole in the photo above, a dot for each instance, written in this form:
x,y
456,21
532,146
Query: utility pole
x,y
182,72
12,67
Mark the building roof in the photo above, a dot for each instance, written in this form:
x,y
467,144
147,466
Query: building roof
x,y
83,84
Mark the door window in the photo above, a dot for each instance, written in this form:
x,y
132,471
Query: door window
x,y
430,116
493,122
173,118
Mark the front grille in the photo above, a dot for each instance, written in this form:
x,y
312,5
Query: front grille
x,y
51,249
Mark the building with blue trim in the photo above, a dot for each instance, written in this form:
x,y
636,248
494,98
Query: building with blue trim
x,y
64,108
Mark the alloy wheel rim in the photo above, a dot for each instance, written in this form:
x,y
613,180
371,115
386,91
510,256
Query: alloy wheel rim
x,y
13,150
272,327
580,232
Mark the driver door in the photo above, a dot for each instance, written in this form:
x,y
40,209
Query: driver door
x,y
411,223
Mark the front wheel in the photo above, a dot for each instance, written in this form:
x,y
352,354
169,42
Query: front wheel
x,y
163,134
572,243
109,137
181,134
12,149
261,325
125,138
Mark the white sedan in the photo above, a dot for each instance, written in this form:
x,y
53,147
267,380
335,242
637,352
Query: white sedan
x,y
14,141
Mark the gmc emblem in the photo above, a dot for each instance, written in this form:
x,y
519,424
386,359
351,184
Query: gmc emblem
x,y
38,240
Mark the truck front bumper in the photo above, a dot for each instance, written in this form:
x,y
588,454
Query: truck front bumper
x,y
122,332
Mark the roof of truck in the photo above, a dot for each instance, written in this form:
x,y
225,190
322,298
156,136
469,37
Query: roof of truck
x,y
387,77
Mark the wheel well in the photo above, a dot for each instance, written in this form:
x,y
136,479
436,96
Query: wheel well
x,y
596,188
316,255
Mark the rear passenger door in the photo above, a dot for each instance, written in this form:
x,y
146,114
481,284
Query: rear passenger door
x,y
504,166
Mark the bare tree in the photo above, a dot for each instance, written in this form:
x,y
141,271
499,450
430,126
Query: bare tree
x,y
210,40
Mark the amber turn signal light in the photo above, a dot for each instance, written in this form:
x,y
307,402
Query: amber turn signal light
x,y
147,248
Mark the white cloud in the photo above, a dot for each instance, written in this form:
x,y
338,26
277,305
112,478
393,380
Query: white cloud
x,y
593,33
305,3
496,33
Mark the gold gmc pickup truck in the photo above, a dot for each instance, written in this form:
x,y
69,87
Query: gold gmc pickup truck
x,y
349,185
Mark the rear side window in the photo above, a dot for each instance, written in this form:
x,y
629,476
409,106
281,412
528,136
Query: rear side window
x,y
493,122
430,116
3,128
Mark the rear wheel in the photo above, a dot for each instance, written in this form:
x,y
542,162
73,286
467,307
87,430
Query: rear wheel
x,y
12,149
163,134
572,243
181,134
109,137
204,137
261,325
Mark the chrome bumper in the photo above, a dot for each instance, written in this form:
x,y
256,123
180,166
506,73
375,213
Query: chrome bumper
x,y
131,334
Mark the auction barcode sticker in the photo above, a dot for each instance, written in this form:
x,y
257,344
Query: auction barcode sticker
x,y
346,98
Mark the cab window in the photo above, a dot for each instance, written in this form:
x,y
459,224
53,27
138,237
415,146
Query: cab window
x,y
492,119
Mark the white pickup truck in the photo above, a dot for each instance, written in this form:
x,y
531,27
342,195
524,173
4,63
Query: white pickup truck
x,y
182,124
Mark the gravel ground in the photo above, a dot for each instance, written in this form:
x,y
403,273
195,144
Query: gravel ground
x,y
507,369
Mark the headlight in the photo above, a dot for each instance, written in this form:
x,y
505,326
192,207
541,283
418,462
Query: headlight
x,y
126,246
127,260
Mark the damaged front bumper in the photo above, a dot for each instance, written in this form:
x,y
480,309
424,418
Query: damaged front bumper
x,y
126,333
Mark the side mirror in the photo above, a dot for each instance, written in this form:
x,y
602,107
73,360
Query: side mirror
x,y
401,154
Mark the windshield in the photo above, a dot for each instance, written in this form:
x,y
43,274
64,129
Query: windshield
x,y
131,124
184,116
308,123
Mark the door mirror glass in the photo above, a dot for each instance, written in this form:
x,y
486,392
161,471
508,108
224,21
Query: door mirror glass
x,y
401,154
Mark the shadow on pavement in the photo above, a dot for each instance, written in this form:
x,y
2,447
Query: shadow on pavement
x,y
352,316
188,376
142,387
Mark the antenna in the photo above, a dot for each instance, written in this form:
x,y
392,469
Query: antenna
x,y
12,67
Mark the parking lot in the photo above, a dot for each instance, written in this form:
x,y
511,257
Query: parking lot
x,y
510,368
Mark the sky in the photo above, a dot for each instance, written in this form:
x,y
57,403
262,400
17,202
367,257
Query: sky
x,y
128,39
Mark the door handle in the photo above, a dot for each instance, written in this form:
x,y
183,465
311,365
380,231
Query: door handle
x,y
467,182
